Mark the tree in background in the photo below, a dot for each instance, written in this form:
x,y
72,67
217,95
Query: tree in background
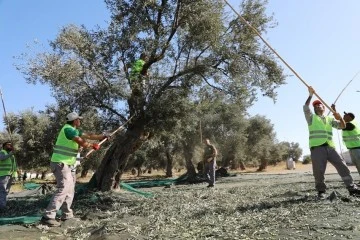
x,y
260,141
277,153
36,141
306,159
189,43
224,122
295,151
30,138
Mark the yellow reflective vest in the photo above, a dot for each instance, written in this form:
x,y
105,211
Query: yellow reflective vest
x,y
352,138
8,166
65,150
320,132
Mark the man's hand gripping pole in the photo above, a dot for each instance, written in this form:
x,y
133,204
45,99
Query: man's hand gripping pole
x,y
111,134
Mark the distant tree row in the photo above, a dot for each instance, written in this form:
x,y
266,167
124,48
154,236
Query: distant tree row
x,y
241,141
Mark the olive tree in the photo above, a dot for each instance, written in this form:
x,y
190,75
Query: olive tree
x,y
189,44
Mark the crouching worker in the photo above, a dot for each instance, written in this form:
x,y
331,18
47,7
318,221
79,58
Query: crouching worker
x,y
64,156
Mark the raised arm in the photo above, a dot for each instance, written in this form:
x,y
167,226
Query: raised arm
x,y
311,93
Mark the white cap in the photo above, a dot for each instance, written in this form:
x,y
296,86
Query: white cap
x,y
73,116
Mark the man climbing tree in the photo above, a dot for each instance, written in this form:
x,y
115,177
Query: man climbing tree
x,y
190,45
137,85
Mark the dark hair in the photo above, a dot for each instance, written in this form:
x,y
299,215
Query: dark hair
x,y
351,115
4,144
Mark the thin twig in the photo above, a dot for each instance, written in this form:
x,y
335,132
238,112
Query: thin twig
x,y
6,118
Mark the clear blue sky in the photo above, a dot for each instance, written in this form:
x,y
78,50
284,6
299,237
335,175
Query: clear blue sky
x,y
320,39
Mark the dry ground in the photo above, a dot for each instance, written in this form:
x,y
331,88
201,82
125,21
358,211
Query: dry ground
x,y
276,204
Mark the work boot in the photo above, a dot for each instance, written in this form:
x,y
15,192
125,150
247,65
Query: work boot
x,y
354,191
210,185
50,222
321,195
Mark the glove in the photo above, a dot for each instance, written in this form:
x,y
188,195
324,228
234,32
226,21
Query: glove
x,y
333,107
96,146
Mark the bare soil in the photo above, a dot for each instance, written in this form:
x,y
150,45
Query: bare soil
x,y
275,204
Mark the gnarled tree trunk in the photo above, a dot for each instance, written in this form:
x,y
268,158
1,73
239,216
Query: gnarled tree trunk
x,y
117,180
169,163
263,165
228,161
117,156
188,149
84,173
139,171
241,165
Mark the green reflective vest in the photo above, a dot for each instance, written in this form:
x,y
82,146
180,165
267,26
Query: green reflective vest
x,y
8,166
352,138
320,132
65,150
137,67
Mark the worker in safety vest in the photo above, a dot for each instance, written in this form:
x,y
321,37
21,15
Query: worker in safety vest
x,y
351,137
322,147
138,84
8,170
63,158
137,67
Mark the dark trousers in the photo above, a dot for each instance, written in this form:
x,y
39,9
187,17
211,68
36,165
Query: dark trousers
x,y
5,184
320,156
210,171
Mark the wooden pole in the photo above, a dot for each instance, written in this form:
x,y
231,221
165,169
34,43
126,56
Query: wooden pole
x,y
273,50
111,134
5,115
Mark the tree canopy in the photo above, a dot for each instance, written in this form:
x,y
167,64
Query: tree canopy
x,y
193,47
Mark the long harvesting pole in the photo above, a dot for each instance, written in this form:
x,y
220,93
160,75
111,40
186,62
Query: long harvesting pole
x,y
345,87
111,134
5,115
269,46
